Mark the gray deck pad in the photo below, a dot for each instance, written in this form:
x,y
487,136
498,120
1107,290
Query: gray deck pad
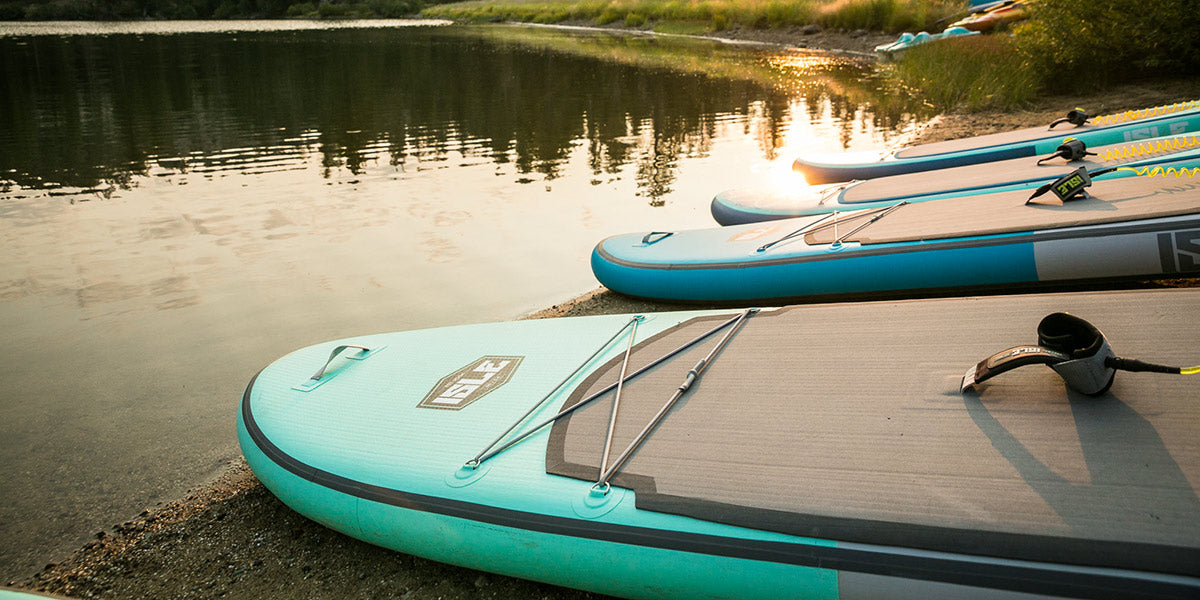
x,y
917,184
844,422
1111,201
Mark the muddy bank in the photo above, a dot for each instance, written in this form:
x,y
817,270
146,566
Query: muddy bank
x,y
233,539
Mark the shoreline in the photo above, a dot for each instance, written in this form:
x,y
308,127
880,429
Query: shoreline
x,y
230,537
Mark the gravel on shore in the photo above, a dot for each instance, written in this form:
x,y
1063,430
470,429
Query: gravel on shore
x,y
234,539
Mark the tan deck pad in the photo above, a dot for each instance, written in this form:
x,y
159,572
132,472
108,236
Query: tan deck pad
x,y
1111,201
844,421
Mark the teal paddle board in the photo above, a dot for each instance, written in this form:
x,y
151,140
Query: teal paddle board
x,y
8,593
748,205
1130,227
1102,130
811,452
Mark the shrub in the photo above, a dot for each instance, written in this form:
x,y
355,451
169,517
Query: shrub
x,y
329,9
609,15
634,20
1080,45
302,9
719,22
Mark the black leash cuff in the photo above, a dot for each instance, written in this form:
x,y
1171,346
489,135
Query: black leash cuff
x,y
1074,348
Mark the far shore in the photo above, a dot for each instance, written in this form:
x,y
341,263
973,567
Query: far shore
x,y
232,538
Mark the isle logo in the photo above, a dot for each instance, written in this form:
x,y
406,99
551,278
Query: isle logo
x,y
1180,251
470,383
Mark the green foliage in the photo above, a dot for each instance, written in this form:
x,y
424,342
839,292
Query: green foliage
x,y
1080,45
972,73
202,9
392,9
303,9
719,22
609,15
716,15
890,15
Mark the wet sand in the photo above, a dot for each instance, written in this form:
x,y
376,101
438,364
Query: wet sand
x,y
231,538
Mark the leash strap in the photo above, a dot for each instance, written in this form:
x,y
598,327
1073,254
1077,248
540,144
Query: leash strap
x,y
1074,348
1075,117
1071,149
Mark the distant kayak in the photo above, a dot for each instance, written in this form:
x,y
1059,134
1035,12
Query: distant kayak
x,y
908,40
1131,226
748,205
995,15
1103,130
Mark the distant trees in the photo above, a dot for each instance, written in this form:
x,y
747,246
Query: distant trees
x,y
75,10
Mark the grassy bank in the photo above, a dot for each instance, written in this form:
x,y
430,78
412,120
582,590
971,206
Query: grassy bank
x,y
711,15
1065,46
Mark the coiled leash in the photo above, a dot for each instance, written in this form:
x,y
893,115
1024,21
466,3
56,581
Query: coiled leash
x,y
1075,117
1071,149
1075,349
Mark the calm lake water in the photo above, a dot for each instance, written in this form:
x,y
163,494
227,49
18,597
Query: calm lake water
x,y
181,203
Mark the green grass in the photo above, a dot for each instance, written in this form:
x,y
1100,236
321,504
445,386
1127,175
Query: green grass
x,y
712,15
971,73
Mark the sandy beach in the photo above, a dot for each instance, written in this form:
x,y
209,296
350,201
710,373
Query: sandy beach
x,y
231,538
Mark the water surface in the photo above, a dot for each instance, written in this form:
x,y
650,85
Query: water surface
x,y
181,203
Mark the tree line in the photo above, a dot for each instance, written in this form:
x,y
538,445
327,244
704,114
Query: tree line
x,y
75,10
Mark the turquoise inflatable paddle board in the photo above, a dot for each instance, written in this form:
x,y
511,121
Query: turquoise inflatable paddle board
x,y
1130,227
733,207
815,452
1103,130
908,40
21,594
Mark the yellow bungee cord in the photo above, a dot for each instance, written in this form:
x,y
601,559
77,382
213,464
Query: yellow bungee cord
x,y
1161,171
1150,147
1134,115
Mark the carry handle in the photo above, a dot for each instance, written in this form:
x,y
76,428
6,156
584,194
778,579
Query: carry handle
x,y
664,235
336,351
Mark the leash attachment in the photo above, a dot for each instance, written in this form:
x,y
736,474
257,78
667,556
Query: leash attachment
x,y
1072,149
1075,117
1075,349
